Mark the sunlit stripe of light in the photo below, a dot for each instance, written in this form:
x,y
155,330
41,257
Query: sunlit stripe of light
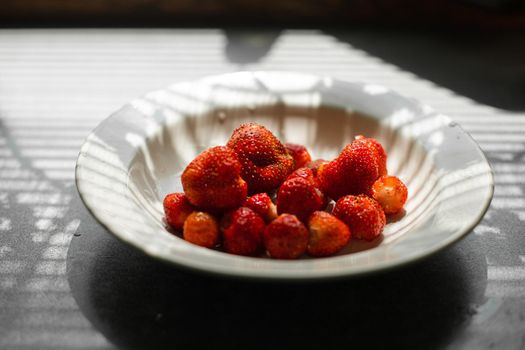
x,y
25,185
46,284
51,268
51,123
499,137
60,174
16,173
55,253
513,147
75,142
5,152
508,190
45,224
508,203
509,178
484,229
60,238
156,80
53,164
39,236
9,163
12,266
491,128
49,152
505,290
49,211
506,273
54,321
43,66
5,224
508,167
42,133
42,198
71,339
105,70
59,301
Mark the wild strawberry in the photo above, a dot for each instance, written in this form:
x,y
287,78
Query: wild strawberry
x,y
285,237
201,229
265,161
379,151
176,209
315,164
391,193
299,154
262,204
363,215
328,234
300,197
242,232
353,172
213,180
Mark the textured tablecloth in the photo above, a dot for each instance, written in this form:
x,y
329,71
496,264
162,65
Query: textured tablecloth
x,y
59,268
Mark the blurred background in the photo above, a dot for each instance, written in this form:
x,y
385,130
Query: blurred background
x,y
442,14
445,34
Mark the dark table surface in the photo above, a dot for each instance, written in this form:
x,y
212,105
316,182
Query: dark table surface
x,y
66,283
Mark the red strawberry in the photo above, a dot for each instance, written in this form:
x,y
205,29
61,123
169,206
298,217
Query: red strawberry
x,y
299,154
309,175
242,232
262,204
201,229
374,145
353,172
265,162
315,164
363,215
391,193
213,180
306,174
286,237
328,234
176,209
300,197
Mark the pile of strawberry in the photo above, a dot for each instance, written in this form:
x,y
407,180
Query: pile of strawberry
x,y
228,189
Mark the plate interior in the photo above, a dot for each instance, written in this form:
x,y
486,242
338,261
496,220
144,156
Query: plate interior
x,y
134,158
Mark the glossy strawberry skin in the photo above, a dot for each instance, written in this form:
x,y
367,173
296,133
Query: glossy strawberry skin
x,y
305,173
176,209
202,229
300,197
262,204
363,216
212,181
353,172
286,237
391,193
379,151
242,232
309,175
328,234
265,161
299,153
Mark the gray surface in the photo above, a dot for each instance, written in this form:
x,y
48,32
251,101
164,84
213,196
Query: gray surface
x,y
66,283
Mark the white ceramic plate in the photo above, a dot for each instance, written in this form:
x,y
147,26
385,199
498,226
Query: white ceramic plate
x,y
135,157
